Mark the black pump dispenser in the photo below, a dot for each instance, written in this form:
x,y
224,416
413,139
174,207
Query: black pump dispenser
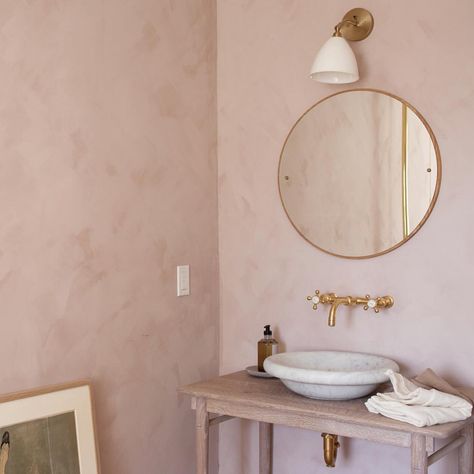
x,y
268,331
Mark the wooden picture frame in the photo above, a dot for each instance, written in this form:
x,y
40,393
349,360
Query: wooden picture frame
x,y
49,429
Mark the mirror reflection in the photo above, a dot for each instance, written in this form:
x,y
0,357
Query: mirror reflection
x,y
359,173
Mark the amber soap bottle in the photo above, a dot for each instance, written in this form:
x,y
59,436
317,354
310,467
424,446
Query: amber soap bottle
x,y
266,347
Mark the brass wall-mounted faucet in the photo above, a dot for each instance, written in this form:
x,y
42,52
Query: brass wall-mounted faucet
x,y
335,301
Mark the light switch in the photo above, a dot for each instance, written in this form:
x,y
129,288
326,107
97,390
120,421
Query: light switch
x,y
182,274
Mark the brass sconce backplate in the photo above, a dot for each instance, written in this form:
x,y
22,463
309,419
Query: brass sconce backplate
x,y
357,24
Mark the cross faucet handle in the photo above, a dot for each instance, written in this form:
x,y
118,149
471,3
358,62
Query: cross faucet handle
x,y
371,303
315,299
377,303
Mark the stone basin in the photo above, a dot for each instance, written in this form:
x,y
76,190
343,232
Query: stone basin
x,y
330,375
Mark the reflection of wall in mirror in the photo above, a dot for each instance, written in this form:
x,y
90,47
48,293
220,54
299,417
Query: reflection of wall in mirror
x,y
343,160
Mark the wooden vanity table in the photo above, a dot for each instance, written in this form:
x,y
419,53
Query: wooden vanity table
x,y
269,402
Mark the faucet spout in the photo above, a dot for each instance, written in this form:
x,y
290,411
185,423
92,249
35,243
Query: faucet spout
x,y
332,312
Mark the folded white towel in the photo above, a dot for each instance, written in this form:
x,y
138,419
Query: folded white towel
x,y
418,406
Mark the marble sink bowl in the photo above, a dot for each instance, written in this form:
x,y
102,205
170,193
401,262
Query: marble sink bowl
x,y
330,375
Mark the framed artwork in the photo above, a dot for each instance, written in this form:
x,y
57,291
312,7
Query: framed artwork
x,y
49,430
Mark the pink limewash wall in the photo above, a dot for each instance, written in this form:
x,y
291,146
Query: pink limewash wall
x,y
420,50
107,182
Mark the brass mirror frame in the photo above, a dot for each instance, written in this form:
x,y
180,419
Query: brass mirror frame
x,y
438,177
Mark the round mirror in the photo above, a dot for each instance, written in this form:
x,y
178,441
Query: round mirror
x,y
359,173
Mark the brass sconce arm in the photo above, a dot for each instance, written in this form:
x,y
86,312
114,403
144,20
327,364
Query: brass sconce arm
x,y
335,301
337,28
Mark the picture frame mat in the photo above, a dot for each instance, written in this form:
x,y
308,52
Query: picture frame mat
x,y
56,400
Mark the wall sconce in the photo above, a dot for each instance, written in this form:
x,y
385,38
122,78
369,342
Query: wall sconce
x,y
335,62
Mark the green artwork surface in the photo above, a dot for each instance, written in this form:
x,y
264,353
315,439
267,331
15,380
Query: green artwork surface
x,y
44,446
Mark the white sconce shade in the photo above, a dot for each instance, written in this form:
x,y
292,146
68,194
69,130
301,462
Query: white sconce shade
x,y
335,63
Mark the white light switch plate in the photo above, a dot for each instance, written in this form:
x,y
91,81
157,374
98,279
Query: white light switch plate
x,y
182,274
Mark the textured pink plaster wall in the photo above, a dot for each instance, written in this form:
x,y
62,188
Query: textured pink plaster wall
x,y
107,182
418,50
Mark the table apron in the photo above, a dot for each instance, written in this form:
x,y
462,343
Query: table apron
x,y
299,420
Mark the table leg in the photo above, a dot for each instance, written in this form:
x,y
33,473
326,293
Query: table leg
x,y
465,451
266,447
202,437
419,456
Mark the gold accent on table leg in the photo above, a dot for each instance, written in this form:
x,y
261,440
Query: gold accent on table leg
x,y
330,447
406,226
